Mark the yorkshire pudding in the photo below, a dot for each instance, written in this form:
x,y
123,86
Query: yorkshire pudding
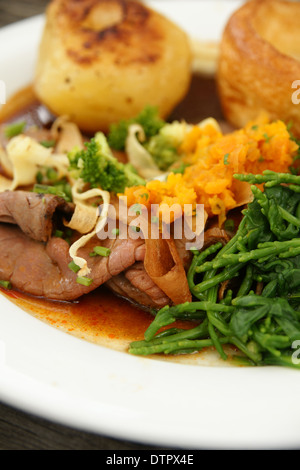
x,y
105,60
259,63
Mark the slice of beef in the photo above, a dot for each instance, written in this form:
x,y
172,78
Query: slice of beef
x,y
136,285
42,269
36,214
36,263
122,287
138,277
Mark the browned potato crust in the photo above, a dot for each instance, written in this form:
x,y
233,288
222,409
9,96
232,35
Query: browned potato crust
x,y
104,60
259,62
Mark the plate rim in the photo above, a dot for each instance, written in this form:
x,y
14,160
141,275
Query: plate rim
x,y
20,387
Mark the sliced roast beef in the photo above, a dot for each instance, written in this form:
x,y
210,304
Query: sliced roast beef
x,y
37,263
123,288
136,285
36,214
138,277
42,269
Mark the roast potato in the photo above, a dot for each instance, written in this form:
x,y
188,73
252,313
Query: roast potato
x,y
259,63
104,60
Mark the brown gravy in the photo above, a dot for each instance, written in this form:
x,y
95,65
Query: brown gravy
x,y
100,317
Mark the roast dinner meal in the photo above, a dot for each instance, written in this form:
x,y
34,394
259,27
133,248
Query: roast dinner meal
x,y
195,226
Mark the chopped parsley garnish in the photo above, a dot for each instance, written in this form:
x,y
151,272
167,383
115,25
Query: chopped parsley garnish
x,y
84,281
6,285
101,251
48,143
137,209
267,137
226,156
14,129
73,266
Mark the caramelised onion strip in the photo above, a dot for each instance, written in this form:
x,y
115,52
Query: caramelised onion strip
x,y
86,219
164,266
24,157
67,135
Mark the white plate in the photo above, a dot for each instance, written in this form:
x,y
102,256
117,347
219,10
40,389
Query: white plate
x,y
64,379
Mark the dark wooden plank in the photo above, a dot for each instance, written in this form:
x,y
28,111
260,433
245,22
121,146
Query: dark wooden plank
x,y
21,431
16,10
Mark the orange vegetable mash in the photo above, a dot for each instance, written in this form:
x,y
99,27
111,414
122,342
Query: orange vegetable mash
x,y
213,159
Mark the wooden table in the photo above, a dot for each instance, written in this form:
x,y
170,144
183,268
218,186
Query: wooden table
x,y
18,430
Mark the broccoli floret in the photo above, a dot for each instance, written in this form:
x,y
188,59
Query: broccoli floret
x,y
164,146
162,151
97,166
148,119
132,176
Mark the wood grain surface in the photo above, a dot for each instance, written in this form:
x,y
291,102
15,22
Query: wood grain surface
x,y
16,10
19,430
